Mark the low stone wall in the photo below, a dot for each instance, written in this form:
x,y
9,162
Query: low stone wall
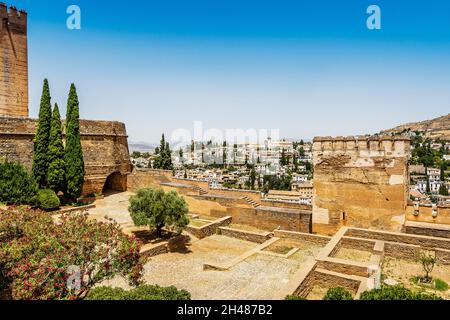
x,y
226,201
209,229
245,235
427,229
74,209
173,244
254,195
285,204
317,239
423,241
194,183
268,218
344,266
443,256
356,243
401,250
144,178
332,280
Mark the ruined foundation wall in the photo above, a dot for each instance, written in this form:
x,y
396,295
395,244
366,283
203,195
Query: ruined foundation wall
x,y
14,62
361,181
105,150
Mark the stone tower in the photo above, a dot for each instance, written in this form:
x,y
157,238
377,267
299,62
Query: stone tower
x,y
14,62
361,181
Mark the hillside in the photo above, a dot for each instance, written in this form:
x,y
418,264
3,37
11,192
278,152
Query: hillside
x,y
433,129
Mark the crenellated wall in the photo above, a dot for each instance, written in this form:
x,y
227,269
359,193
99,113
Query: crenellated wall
x,y
361,181
105,150
14,62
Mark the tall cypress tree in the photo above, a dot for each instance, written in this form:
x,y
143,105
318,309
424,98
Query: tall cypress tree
x,y
74,152
56,175
42,137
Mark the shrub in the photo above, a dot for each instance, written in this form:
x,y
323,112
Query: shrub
x,y
293,297
440,285
144,292
17,185
38,256
397,292
338,294
157,209
48,200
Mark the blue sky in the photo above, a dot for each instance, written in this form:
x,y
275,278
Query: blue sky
x,y
305,67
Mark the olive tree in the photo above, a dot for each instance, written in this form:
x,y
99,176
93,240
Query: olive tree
x,y
158,209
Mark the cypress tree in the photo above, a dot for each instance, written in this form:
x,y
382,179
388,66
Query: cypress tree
x,y
41,140
56,175
74,152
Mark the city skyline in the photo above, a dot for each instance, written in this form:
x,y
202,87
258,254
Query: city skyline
x,y
253,65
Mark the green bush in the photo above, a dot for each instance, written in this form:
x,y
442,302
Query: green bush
x,y
48,200
17,185
440,285
398,292
143,292
294,297
338,294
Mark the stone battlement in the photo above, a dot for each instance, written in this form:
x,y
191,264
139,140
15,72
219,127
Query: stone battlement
x,y
12,15
27,126
362,146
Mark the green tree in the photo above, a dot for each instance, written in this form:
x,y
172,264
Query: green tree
x,y
56,175
443,190
224,154
157,209
338,294
252,178
74,153
164,158
42,138
398,292
17,185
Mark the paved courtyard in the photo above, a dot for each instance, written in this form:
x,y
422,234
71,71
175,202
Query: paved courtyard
x,y
259,276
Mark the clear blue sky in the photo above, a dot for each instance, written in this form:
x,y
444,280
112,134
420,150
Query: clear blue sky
x,y
305,67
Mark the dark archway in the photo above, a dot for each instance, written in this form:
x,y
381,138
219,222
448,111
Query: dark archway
x,y
115,182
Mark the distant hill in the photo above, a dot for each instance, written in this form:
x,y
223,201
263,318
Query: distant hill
x,y
141,146
438,128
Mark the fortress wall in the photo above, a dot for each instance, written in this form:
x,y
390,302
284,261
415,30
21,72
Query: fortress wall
x,y
361,181
105,150
425,214
14,62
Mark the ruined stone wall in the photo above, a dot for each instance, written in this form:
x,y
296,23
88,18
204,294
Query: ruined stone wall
x,y
14,62
361,181
105,150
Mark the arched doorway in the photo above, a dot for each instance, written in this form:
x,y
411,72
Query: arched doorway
x,y
115,182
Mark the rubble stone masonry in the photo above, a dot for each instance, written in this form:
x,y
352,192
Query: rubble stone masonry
x,y
105,150
361,181
14,62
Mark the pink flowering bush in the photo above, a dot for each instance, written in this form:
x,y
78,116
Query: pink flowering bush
x,y
43,259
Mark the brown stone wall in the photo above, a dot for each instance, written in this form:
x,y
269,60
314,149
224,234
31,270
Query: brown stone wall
x,y
284,204
425,214
143,178
105,150
14,62
245,235
361,182
265,219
